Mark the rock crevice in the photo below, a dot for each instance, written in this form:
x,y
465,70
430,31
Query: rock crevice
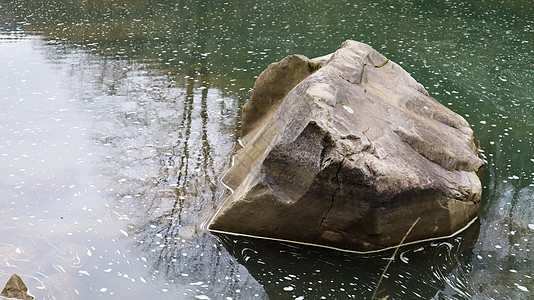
x,y
336,183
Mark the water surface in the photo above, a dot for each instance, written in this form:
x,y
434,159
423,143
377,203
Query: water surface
x,y
118,119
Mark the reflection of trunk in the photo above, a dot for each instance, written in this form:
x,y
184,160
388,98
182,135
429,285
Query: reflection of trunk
x,y
183,155
184,136
194,175
192,155
207,163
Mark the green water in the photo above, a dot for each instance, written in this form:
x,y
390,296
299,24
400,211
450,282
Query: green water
x,y
118,119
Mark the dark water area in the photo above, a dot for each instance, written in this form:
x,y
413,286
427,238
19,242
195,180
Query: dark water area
x,y
118,119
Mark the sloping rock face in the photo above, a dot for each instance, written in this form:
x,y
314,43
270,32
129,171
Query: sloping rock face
x,y
347,152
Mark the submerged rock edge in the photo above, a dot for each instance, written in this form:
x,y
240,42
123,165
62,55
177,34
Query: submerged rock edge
x,y
411,243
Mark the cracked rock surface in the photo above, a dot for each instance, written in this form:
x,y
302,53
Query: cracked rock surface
x,y
339,152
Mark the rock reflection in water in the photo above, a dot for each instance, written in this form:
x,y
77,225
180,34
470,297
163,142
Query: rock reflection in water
x,y
290,271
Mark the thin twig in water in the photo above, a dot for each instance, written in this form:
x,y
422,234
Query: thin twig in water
x,y
392,258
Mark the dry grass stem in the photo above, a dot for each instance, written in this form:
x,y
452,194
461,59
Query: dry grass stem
x,y
375,292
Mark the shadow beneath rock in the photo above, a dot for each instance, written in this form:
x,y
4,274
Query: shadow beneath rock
x,y
291,271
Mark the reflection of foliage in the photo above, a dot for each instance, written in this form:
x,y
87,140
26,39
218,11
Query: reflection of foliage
x,y
175,35
239,38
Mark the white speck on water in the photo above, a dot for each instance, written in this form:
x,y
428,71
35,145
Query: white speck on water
x,y
531,226
197,283
513,271
89,252
124,232
82,272
524,289
103,290
348,109
107,270
288,288
203,297
143,280
59,268
498,246
479,257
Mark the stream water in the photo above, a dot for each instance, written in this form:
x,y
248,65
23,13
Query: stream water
x,y
119,117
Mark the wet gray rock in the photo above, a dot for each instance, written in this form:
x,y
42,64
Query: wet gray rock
x,y
347,151
16,289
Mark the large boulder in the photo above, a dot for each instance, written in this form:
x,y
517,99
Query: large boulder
x,y
348,151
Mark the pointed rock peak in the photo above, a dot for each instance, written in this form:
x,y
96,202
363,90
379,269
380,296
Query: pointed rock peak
x,y
16,289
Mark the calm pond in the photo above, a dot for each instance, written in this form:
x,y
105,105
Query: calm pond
x,y
119,117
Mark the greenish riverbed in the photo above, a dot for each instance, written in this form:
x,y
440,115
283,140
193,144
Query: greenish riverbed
x,y
118,119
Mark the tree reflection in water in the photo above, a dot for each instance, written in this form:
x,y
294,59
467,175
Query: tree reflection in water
x,y
164,142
